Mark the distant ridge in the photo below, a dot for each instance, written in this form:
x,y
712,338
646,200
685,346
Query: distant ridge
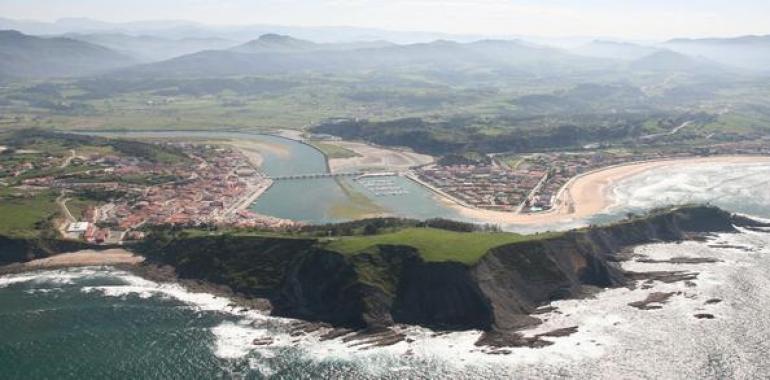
x,y
282,54
746,52
725,41
614,50
666,60
277,43
149,48
22,56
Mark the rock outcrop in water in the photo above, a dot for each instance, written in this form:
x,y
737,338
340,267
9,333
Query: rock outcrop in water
x,y
390,284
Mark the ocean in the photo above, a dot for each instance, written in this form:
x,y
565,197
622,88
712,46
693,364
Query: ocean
x,y
106,323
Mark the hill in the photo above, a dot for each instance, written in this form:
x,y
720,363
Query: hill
x,y
272,54
670,61
614,50
276,43
747,52
146,48
28,56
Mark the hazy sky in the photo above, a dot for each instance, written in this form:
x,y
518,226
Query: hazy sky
x,y
620,18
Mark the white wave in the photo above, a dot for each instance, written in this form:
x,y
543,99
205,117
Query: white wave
x,y
49,277
614,340
733,185
235,340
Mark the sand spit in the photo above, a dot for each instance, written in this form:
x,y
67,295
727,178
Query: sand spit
x,y
373,157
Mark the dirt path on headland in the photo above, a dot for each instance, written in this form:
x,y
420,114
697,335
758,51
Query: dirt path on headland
x,y
588,194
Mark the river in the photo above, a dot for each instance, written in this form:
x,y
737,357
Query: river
x,y
321,200
106,323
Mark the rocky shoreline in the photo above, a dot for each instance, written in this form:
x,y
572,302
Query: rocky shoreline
x,y
501,287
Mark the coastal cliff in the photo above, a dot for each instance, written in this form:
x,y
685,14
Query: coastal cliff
x,y
385,284
20,249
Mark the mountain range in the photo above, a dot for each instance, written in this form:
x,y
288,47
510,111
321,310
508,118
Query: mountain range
x,y
147,48
747,52
24,56
147,55
274,54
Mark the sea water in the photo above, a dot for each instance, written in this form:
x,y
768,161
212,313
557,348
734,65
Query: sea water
x,y
106,323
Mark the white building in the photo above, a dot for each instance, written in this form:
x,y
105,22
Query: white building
x,y
78,227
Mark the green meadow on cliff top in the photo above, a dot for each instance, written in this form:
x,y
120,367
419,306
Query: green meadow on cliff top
x,y
434,244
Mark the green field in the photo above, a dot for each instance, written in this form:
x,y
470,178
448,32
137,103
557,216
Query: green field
x,y
334,151
20,213
434,244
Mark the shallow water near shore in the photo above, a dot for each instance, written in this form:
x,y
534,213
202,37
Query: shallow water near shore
x,y
736,187
103,322
99,322
313,200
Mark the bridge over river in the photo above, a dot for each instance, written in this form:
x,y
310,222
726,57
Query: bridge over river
x,y
357,175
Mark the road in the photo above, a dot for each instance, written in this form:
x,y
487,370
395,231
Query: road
x,y
62,202
68,160
669,133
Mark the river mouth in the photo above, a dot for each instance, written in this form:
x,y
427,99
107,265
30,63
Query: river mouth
x,y
316,200
732,186
108,320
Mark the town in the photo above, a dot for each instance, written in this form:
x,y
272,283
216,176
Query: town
x,y
212,185
532,183
128,185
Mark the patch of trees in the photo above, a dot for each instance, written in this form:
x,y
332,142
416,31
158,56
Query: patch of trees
x,y
517,135
48,96
149,152
107,87
584,97
100,195
470,158
382,225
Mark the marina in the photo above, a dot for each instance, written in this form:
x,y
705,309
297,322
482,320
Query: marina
x,y
303,189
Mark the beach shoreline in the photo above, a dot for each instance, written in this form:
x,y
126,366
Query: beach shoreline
x,y
588,193
124,260
84,258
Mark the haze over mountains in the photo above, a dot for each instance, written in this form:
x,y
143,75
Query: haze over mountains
x,y
748,52
148,48
174,49
175,29
272,54
27,56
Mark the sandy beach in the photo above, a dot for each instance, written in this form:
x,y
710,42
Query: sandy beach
x,y
372,157
588,194
86,257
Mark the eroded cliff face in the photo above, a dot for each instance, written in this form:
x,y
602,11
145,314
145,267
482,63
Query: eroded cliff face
x,y
441,295
392,284
321,285
14,250
519,277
